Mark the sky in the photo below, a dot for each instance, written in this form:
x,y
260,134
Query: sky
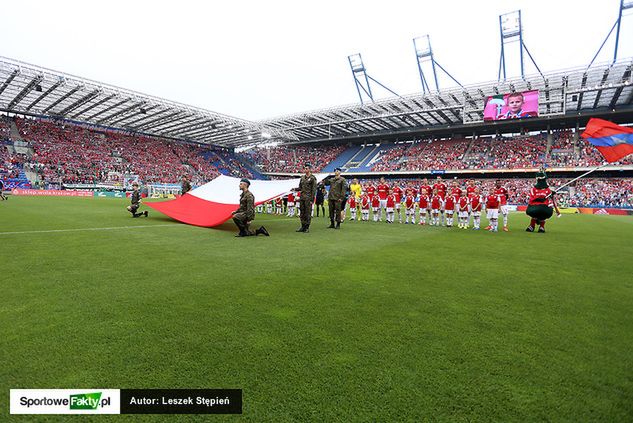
x,y
262,59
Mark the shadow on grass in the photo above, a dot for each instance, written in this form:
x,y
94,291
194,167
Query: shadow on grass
x,y
227,226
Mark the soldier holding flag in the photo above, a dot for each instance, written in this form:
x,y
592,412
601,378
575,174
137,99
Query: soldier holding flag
x,y
245,214
186,186
307,189
336,198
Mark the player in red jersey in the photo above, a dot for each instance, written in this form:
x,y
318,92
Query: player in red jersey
x,y
503,206
364,207
352,207
291,204
492,207
391,204
449,206
476,203
370,190
456,191
463,207
383,191
409,211
425,186
440,186
470,192
424,204
397,191
375,206
470,187
437,203
409,191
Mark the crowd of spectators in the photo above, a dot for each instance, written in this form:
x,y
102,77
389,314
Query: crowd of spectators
x,y
602,193
292,159
73,154
229,164
527,151
5,129
10,164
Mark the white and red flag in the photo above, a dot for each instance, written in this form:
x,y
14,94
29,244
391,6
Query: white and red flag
x,y
212,203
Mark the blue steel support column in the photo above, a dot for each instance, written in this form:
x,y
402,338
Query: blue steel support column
x,y
618,23
502,59
521,46
423,54
358,67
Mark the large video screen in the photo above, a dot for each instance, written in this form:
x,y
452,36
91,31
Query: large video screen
x,y
512,106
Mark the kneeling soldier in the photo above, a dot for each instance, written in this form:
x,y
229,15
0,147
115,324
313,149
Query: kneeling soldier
x,y
136,202
246,213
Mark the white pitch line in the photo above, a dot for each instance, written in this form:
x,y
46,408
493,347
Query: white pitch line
x,y
85,229
51,231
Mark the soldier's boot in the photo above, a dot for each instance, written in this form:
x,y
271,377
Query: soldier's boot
x,y
331,224
302,228
338,225
306,229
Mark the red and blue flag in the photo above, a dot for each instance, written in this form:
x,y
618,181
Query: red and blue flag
x,y
612,141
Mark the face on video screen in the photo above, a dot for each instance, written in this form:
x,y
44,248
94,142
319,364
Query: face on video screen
x,y
519,105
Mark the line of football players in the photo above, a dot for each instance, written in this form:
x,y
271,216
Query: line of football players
x,y
437,205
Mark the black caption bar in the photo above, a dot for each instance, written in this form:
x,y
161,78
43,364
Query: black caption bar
x,y
181,401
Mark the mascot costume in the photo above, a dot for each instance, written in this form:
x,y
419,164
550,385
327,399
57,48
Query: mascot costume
x,y
541,204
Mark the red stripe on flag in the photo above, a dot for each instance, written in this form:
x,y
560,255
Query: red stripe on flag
x,y
615,153
195,211
598,128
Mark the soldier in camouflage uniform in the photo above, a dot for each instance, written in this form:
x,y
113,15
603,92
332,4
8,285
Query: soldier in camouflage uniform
x,y
307,188
136,202
186,186
336,198
244,215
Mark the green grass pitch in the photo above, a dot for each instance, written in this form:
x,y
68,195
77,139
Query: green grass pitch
x,y
374,322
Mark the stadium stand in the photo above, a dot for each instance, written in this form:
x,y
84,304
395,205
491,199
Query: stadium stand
x,y
75,154
374,155
292,159
5,130
491,153
343,158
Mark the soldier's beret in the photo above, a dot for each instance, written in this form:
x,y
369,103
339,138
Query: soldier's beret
x,y
246,181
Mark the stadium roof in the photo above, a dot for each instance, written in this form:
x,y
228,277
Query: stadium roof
x,y
601,87
38,91
33,90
